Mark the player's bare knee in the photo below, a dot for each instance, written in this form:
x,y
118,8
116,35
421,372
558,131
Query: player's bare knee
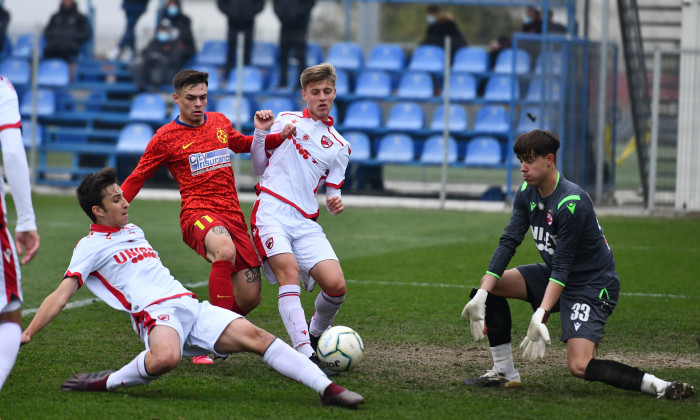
x,y
161,363
577,368
225,253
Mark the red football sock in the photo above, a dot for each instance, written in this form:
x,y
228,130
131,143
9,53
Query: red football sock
x,y
220,285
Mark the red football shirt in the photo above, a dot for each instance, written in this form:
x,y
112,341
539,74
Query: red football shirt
x,y
199,160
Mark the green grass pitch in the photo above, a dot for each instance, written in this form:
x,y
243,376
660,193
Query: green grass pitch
x,y
409,273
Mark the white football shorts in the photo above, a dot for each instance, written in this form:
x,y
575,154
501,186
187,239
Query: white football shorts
x,y
280,228
199,324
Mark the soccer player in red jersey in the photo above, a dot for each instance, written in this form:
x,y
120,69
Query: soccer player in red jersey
x,y
195,148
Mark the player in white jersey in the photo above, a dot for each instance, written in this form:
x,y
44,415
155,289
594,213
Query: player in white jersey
x,y
283,224
116,262
26,237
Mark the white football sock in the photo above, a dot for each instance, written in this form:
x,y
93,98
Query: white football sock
x,y
294,365
132,374
653,385
293,317
327,308
503,358
10,338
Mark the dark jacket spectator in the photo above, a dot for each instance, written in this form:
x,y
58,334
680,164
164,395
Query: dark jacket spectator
x,y
241,18
182,26
532,23
295,16
4,23
440,25
162,58
66,32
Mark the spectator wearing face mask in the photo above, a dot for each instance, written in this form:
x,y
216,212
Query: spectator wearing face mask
x,y
532,22
162,58
440,25
172,12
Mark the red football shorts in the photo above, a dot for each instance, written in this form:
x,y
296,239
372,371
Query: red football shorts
x,y
196,228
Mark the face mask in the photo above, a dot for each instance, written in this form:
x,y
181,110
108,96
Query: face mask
x,y
528,20
162,36
173,10
430,19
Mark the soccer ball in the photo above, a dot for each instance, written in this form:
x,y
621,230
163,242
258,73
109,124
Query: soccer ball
x,y
340,348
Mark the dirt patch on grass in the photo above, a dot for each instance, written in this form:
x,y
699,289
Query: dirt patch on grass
x,y
430,363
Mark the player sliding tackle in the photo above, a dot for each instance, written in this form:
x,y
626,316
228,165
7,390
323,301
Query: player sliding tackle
x,y
116,262
578,278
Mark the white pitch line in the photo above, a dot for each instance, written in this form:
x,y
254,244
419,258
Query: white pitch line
x,y
86,302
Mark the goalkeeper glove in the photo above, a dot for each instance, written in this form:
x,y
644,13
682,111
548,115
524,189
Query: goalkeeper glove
x,y
537,337
475,310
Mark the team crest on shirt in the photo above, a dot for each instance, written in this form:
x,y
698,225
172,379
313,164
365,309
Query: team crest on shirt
x,y
326,142
221,136
306,137
550,219
270,243
164,317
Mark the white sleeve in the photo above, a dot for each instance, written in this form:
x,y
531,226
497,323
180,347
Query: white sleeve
x,y
17,172
257,152
336,174
331,192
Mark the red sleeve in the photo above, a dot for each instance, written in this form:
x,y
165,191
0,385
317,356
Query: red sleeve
x,y
241,144
149,163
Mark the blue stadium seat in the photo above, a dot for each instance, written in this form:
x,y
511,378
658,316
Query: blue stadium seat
x,y
214,75
405,116
434,150
214,52
363,114
279,104
360,146
462,87
395,148
227,106
53,72
526,124
342,83
45,105
502,88
389,57
539,90
429,58
504,61
148,107
373,84
346,55
415,85
252,80
17,70
550,63
27,133
483,151
471,60
457,119
265,54
491,119
134,137
24,46
314,54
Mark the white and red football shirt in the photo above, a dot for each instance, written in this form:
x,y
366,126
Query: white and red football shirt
x,y
120,267
296,169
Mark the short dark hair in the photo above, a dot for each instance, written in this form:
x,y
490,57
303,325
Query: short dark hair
x,y
317,74
92,188
433,9
536,143
189,78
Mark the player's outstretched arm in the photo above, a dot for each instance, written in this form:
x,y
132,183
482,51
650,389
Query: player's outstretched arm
x,y
50,307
